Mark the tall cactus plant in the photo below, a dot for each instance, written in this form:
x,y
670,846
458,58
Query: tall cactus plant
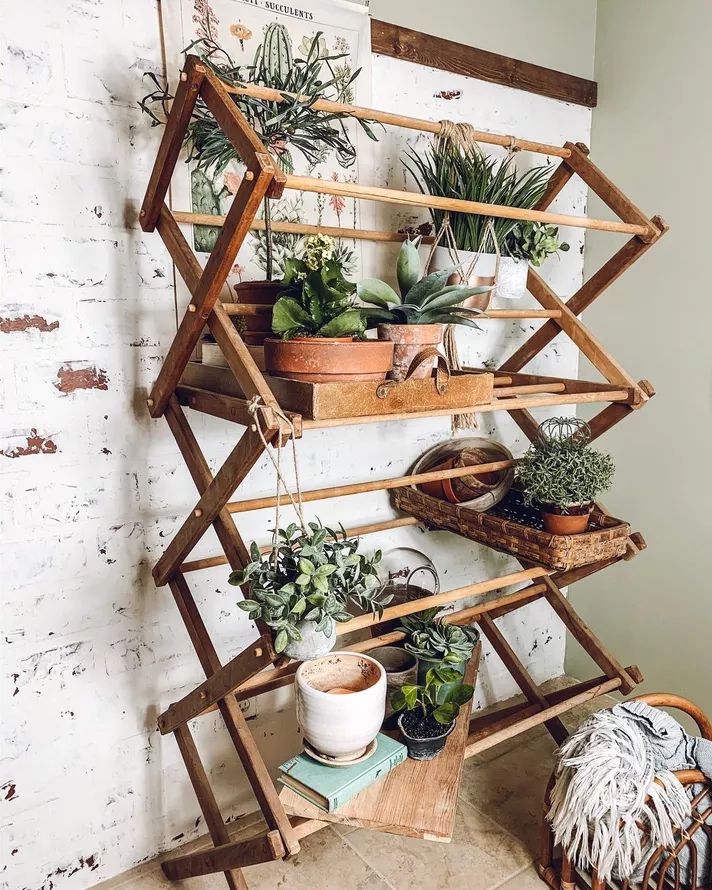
x,y
274,55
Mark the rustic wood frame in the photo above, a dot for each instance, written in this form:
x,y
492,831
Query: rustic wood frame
x,y
257,668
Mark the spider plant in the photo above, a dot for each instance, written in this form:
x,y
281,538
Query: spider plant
x,y
426,300
467,174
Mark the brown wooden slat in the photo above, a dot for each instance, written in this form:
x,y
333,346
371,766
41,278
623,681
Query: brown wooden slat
x,y
265,848
447,55
208,804
520,674
249,662
237,727
238,464
185,261
171,142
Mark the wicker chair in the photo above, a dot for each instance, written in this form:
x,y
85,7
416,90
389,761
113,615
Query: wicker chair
x,y
663,870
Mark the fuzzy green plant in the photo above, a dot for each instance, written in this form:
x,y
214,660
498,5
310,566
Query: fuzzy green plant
x,y
563,470
311,575
534,242
468,174
431,699
316,300
428,300
429,637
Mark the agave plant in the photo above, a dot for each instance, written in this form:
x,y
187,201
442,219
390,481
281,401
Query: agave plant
x,y
428,300
466,173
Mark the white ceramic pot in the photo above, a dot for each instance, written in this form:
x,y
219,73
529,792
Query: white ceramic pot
x,y
341,702
511,279
482,274
313,642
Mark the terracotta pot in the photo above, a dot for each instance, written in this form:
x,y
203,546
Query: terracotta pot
x,y
572,523
262,292
465,488
409,340
328,360
341,700
440,488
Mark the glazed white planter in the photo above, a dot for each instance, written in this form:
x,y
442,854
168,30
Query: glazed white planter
x,y
339,723
512,278
313,642
511,281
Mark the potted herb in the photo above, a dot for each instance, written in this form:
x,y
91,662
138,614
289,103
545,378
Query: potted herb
x,y
464,172
414,319
321,328
435,643
527,242
429,717
303,586
563,475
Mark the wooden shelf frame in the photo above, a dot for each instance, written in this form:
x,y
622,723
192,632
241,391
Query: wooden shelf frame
x,y
258,669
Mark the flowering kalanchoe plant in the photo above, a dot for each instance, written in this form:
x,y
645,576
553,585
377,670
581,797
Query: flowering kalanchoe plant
x,y
310,576
316,300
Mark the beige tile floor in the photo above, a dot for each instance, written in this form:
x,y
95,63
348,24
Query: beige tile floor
x,y
495,843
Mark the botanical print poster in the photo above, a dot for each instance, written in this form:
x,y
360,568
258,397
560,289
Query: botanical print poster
x,y
274,35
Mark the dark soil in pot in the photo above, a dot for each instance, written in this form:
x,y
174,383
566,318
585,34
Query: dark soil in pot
x,y
425,738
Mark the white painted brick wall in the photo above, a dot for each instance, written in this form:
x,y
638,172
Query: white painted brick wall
x,y
92,490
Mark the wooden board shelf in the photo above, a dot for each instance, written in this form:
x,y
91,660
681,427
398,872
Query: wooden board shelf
x,y
416,799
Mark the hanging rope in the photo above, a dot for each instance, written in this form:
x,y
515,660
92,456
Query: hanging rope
x,y
254,407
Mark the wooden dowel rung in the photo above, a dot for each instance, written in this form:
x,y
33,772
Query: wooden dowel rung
x,y
416,199
399,120
338,491
247,309
524,388
513,404
521,313
210,562
206,219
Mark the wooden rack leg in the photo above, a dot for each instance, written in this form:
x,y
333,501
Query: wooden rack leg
x,y
242,739
583,634
208,804
500,645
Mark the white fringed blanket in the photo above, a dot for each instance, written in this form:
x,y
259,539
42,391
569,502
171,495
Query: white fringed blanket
x,y
606,788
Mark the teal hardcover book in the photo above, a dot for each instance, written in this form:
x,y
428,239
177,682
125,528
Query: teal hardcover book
x,y
329,787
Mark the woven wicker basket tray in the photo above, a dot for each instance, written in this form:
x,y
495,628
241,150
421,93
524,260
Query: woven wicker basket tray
x,y
512,527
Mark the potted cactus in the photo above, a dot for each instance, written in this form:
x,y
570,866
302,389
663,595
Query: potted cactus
x,y
321,330
415,319
304,585
429,716
563,475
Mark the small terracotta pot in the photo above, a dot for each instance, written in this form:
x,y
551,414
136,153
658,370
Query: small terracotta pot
x,y
440,488
566,523
328,359
262,292
465,488
409,340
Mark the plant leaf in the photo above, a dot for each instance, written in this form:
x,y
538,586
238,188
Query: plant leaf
x,y
373,290
407,267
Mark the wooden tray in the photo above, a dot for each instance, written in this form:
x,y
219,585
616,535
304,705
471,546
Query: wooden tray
x,y
324,401
512,527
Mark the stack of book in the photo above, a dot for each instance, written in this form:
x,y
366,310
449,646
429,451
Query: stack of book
x,y
329,787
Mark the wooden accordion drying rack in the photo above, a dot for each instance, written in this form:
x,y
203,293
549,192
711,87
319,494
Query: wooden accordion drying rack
x,y
417,799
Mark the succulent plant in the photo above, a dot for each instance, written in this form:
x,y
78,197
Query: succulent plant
x,y
429,697
431,638
560,467
534,242
428,300
311,576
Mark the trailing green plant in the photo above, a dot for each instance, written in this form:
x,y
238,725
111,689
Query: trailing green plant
x,y
429,637
291,124
431,700
464,172
428,300
560,467
533,242
316,300
311,575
